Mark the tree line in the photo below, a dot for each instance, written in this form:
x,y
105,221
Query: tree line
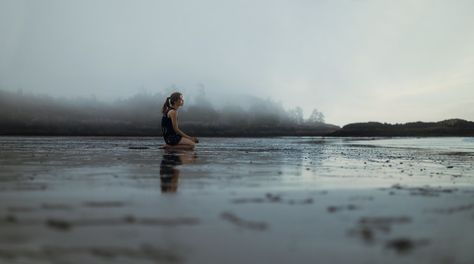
x,y
140,115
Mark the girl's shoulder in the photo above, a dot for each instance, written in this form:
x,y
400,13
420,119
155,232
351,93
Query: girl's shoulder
x,y
171,112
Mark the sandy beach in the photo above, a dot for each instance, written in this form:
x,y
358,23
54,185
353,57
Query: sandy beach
x,y
236,200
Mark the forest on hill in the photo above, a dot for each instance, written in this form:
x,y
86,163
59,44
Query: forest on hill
x,y
140,115
450,127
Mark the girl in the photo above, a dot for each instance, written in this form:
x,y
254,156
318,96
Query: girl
x,y
173,136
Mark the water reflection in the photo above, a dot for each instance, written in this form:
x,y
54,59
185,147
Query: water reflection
x,y
169,173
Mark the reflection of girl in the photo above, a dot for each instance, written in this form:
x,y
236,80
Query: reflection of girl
x,y
169,123
168,173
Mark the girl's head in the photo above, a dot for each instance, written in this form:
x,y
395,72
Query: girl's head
x,y
175,100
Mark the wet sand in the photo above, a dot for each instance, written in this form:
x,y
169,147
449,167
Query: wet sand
x,y
273,200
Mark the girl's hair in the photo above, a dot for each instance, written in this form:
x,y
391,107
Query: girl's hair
x,y
169,101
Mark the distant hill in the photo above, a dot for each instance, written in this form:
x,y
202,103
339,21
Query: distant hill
x,y
110,128
450,127
140,115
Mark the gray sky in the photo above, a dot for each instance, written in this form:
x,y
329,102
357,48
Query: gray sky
x,y
356,61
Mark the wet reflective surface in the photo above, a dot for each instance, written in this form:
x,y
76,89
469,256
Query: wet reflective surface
x,y
282,200
169,171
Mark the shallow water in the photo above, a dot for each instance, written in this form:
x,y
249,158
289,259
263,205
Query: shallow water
x,y
281,163
446,144
282,200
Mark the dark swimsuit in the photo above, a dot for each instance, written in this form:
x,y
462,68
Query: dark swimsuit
x,y
170,136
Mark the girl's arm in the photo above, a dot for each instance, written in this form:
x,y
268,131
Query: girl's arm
x,y
174,121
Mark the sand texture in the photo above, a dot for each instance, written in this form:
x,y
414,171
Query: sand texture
x,y
233,200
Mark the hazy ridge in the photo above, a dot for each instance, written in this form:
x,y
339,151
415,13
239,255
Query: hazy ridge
x,y
450,127
140,115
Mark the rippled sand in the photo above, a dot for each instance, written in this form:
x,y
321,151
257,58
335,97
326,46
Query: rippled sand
x,y
272,200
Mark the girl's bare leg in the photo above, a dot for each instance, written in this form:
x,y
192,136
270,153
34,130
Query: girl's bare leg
x,y
186,142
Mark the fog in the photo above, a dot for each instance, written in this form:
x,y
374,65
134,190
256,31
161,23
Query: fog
x,y
356,61
28,114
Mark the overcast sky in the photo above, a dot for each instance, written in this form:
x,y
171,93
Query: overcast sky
x,y
356,61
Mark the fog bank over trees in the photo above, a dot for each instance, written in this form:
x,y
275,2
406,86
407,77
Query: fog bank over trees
x,y
140,115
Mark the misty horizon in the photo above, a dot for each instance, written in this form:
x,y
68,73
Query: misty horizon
x,y
140,114
239,102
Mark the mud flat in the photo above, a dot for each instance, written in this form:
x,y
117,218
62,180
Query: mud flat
x,y
270,200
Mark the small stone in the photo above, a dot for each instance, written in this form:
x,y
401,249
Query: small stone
x,y
59,224
11,218
401,245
